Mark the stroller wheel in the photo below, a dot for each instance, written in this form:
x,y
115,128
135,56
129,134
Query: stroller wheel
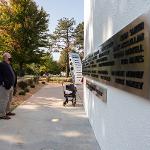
x,y
74,103
64,103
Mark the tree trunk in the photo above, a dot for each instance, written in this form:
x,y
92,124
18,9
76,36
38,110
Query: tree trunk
x,y
67,66
67,51
21,72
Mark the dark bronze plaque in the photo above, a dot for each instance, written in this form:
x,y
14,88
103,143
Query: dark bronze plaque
x,y
97,90
123,61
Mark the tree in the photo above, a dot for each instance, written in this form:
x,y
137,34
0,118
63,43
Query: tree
x,y
62,60
27,27
5,38
79,38
55,69
48,65
63,38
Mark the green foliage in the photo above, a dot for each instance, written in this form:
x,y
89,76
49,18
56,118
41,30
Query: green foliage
x,y
63,37
79,36
22,93
33,68
63,60
23,29
46,62
64,32
26,90
36,79
55,69
5,38
48,65
79,39
23,85
66,38
32,86
30,81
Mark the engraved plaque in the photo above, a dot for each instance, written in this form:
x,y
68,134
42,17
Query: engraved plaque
x,y
123,61
97,90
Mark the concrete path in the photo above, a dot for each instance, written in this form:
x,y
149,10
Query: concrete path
x,y
42,123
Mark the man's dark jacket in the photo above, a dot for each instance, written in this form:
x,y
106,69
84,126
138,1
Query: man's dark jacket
x,y
7,75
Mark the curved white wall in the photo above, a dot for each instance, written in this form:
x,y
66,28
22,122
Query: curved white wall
x,y
123,123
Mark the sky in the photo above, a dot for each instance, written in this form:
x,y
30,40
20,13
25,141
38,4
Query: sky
x,y
62,8
58,9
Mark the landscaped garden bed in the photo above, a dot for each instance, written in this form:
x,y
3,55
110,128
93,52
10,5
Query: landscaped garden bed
x,y
26,87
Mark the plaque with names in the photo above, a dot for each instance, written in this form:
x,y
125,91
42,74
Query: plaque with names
x,y
123,61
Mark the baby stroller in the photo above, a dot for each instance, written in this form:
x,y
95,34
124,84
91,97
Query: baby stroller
x,y
69,94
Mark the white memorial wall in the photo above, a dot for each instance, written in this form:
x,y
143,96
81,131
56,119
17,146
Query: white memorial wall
x,y
122,121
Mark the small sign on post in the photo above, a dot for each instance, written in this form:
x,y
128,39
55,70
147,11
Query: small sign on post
x,y
97,90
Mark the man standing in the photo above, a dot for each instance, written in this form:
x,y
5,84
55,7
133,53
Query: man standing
x,y
7,82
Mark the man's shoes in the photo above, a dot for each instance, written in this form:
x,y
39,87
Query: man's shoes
x,y
10,114
5,117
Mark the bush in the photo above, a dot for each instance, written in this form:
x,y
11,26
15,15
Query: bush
x,y
26,90
32,86
22,93
22,84
30,81
43,82
36,79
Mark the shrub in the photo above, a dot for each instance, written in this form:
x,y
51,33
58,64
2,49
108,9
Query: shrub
x,y
26,90
36,79
22,93
30,82
22,84
43,82
32,86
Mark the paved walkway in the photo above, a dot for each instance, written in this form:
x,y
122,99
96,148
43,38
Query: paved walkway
x,y
42,123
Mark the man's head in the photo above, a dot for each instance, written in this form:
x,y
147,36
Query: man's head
x,y
7,57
